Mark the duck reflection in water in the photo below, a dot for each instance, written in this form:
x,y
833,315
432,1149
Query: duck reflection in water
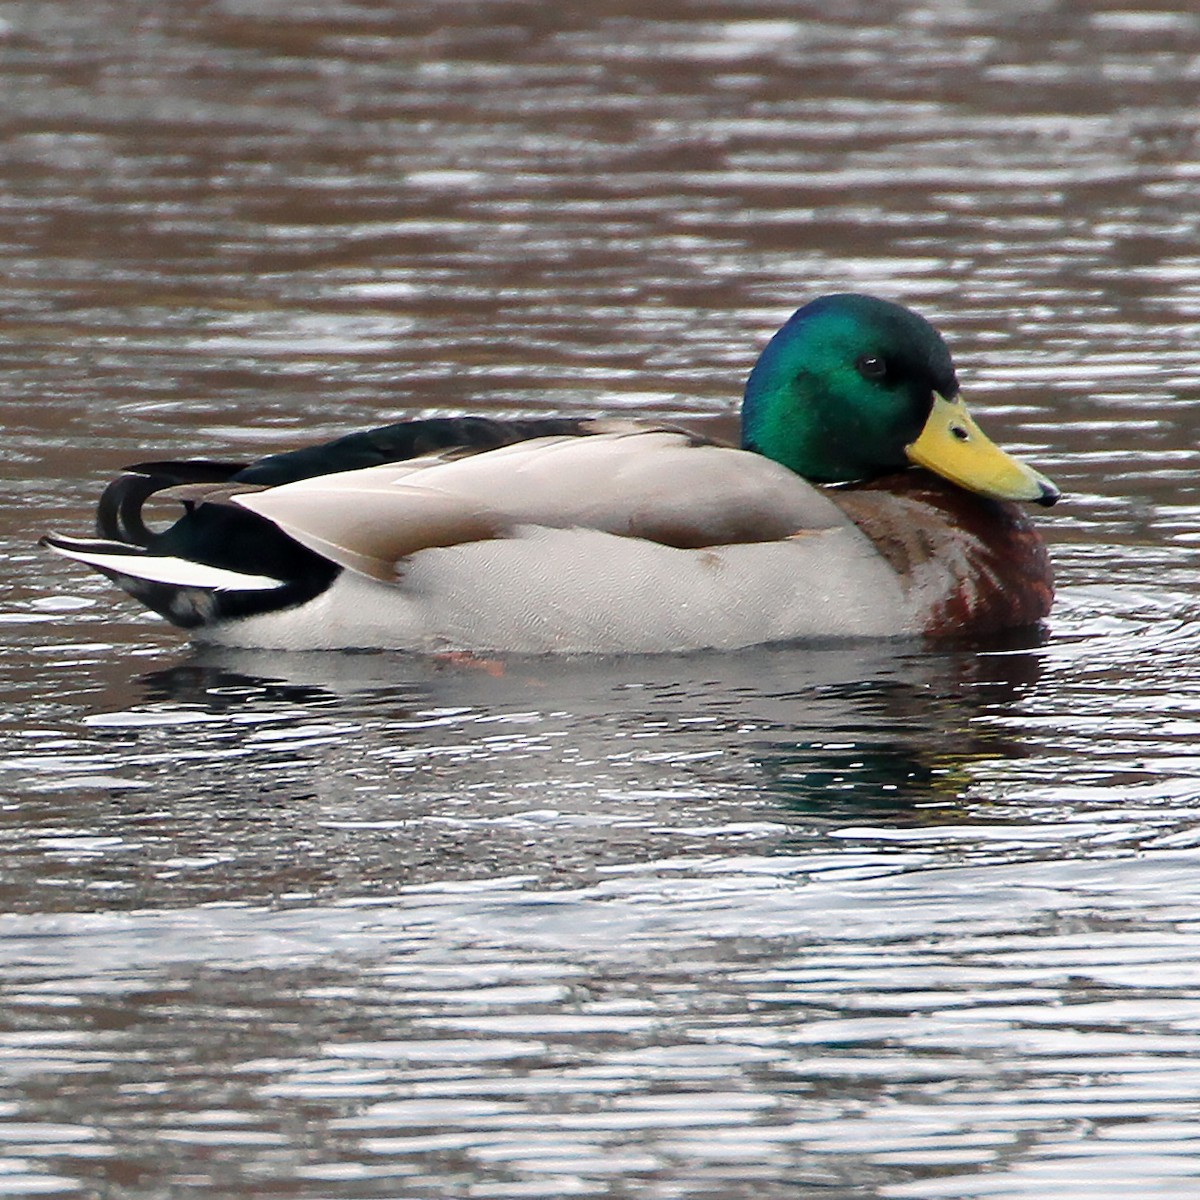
x,y
826,733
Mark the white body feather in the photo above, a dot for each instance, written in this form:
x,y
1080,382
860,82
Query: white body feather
x,y
578,591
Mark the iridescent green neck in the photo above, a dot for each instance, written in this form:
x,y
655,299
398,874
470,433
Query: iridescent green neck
x,y
810,405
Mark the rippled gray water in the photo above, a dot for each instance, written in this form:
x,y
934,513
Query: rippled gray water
x,y
862,922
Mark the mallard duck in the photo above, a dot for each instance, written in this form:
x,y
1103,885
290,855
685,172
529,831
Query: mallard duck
x,y
864,501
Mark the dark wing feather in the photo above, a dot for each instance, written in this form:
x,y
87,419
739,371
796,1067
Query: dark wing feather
x,y
405,440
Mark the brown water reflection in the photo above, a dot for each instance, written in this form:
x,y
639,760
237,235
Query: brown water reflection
x,y
870,920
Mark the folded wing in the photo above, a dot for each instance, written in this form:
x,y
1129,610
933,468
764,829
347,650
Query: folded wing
x,y
659,485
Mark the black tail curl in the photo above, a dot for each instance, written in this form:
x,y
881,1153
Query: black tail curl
x,y
119,513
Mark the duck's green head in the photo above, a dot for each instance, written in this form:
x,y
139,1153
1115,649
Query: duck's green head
x,y
853,387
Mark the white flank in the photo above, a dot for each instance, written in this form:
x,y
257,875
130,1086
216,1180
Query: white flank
x,y
580,591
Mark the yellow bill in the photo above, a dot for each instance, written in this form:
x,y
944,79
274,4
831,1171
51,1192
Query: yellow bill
x,y
953,446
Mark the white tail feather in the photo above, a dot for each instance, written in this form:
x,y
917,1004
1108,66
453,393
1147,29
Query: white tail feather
x,y
153,568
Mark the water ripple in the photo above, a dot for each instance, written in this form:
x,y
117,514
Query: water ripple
x,y
868,921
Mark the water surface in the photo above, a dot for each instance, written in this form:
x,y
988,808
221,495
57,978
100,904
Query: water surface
x,y
868,921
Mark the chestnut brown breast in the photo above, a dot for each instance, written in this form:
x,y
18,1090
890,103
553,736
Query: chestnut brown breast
x,y
976,565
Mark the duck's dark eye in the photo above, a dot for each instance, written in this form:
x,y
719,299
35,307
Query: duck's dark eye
x,y
872,366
